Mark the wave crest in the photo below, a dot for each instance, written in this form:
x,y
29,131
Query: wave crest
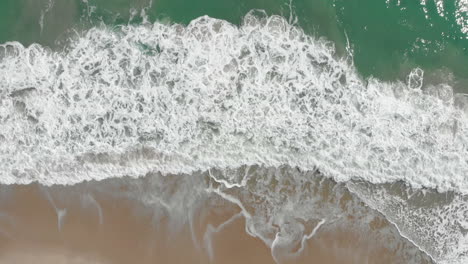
x,y
215,95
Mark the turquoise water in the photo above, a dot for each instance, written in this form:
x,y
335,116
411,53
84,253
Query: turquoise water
x,y
368,93
388,38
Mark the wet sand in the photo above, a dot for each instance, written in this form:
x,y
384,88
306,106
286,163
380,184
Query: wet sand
x,y
123,233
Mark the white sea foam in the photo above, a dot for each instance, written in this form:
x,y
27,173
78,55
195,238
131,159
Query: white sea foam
x,y
435,222
461,16
284,207
460,13
178,99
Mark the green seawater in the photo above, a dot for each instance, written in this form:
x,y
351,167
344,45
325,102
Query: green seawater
x,y
388,37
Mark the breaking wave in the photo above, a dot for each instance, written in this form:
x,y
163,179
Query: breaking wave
x,y
174,99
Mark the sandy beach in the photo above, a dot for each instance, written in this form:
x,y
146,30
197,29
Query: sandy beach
x,y
120,231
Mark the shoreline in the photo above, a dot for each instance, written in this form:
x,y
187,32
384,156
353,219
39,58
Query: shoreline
x,y
74,225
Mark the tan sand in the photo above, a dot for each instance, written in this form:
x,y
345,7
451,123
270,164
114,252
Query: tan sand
x,y
29,233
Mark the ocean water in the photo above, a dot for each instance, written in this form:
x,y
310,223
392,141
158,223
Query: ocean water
x,y
299,113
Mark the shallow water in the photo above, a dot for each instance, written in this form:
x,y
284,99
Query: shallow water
x,y
297,131
91,223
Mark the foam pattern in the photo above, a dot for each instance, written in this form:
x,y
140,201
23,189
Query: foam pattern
x,y
169,98
285,207
174,99
436,222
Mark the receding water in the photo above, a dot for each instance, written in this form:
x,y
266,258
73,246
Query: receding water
x,y
303,125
